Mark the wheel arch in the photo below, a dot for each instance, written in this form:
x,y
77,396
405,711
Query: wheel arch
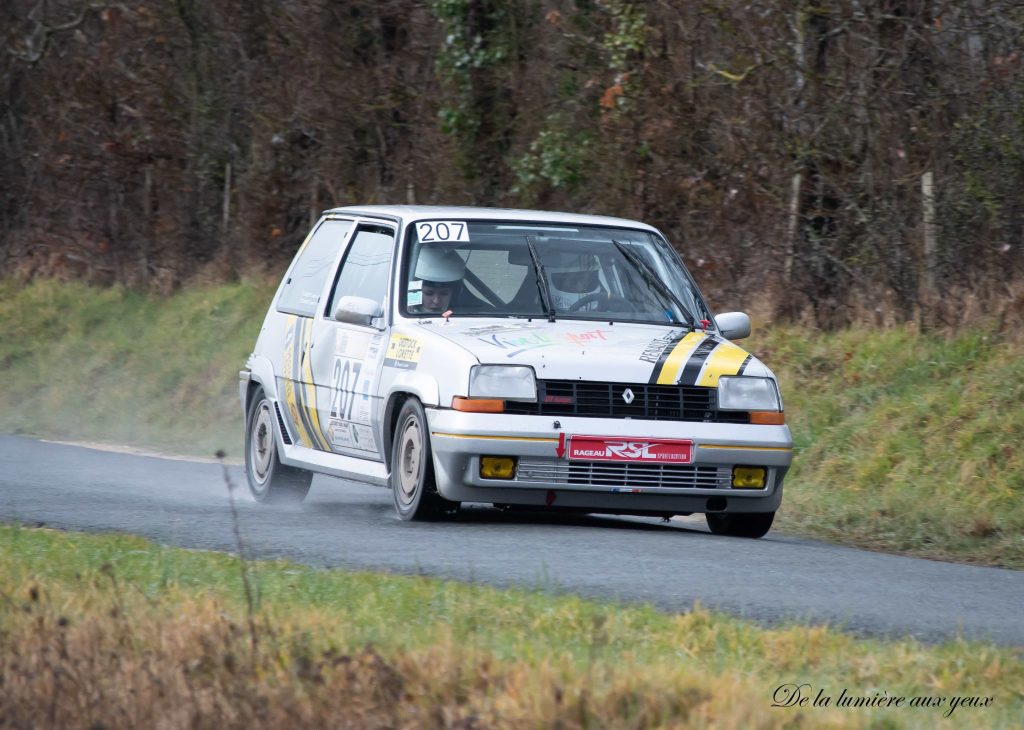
x,y
254,385
261,376
390,421
407,385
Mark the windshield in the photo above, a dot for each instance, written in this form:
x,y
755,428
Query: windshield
x,y
491,269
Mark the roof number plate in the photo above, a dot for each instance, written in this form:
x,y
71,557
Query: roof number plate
x,y
442,231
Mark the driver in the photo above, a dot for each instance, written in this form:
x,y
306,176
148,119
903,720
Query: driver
x,y
439,273
574,279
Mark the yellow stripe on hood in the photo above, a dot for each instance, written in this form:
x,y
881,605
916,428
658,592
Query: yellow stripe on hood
x,y
726,359
669,374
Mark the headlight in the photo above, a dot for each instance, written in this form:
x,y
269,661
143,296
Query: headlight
x,y
743,393
509,382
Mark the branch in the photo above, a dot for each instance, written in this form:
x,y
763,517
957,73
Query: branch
x,y
729,75
38,40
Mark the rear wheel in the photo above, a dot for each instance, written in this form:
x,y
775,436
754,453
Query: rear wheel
x,y
413,487
737,524
270,481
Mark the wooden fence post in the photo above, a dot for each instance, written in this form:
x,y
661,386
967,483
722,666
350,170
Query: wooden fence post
x,y
314,214
147,218
793,230
928,216
225,216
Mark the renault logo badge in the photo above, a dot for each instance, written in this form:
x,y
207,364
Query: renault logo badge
x,y
627,395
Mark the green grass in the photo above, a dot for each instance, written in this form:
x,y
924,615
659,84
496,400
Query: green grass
x,y
116,365
126,590
906,442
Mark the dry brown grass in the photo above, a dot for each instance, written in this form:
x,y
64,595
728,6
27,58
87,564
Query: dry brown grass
x,y
126,662
114,632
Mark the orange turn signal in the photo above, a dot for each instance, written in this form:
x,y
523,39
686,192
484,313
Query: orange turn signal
x,y
478,405
768,418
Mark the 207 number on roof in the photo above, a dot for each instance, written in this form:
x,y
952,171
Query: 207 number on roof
x,y
436,231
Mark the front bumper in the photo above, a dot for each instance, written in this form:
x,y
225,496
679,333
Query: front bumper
x,y
542,478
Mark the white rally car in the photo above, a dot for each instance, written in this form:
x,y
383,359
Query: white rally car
x,y
510,357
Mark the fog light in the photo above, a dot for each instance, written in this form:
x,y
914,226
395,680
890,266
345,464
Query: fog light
x,y
497,467
749,477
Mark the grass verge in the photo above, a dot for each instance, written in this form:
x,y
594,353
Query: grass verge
x,y
114,631
115,365
906,442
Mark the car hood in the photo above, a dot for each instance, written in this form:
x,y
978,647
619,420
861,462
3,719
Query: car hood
x,y
578,350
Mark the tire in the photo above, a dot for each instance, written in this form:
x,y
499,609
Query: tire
x,y
413,488
737,524
270,481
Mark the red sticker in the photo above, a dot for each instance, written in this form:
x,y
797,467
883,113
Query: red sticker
x,y
616,448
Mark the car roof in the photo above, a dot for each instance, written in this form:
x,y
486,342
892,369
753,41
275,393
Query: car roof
x,y
408,213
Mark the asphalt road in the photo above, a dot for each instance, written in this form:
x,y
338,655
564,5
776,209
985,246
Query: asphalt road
x,y
672,565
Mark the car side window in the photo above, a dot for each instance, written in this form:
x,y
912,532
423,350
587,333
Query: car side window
x,y
367,266
301,291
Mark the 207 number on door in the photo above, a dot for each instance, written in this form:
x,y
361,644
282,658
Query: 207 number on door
x,y
344,379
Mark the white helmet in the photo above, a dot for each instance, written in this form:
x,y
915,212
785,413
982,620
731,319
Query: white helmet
x,y
439,265
573,277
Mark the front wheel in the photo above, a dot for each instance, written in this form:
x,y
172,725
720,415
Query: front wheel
x,y
412,468
270,481
754,524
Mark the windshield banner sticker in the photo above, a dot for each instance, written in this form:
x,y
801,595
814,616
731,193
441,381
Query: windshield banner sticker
x,y
490,329
585,338
615,448
536,340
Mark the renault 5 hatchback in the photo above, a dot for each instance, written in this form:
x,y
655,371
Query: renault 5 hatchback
x,y
512,357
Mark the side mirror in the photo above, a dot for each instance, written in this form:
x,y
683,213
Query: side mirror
x,y
357,310
733,325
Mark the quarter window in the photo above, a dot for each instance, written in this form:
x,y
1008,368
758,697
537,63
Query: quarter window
x,y
301,291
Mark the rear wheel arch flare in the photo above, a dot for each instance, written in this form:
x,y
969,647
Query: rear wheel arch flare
x,y
254,385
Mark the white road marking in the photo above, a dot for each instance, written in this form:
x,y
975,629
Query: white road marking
x,y
122,449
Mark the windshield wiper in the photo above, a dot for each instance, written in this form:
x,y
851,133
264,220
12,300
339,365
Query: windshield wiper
x,y
650,277
542,283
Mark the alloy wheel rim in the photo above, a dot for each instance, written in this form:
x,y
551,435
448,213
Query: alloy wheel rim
x,y
409,461
261,448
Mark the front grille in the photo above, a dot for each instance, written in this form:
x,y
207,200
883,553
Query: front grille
x,y
605,400
613,474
